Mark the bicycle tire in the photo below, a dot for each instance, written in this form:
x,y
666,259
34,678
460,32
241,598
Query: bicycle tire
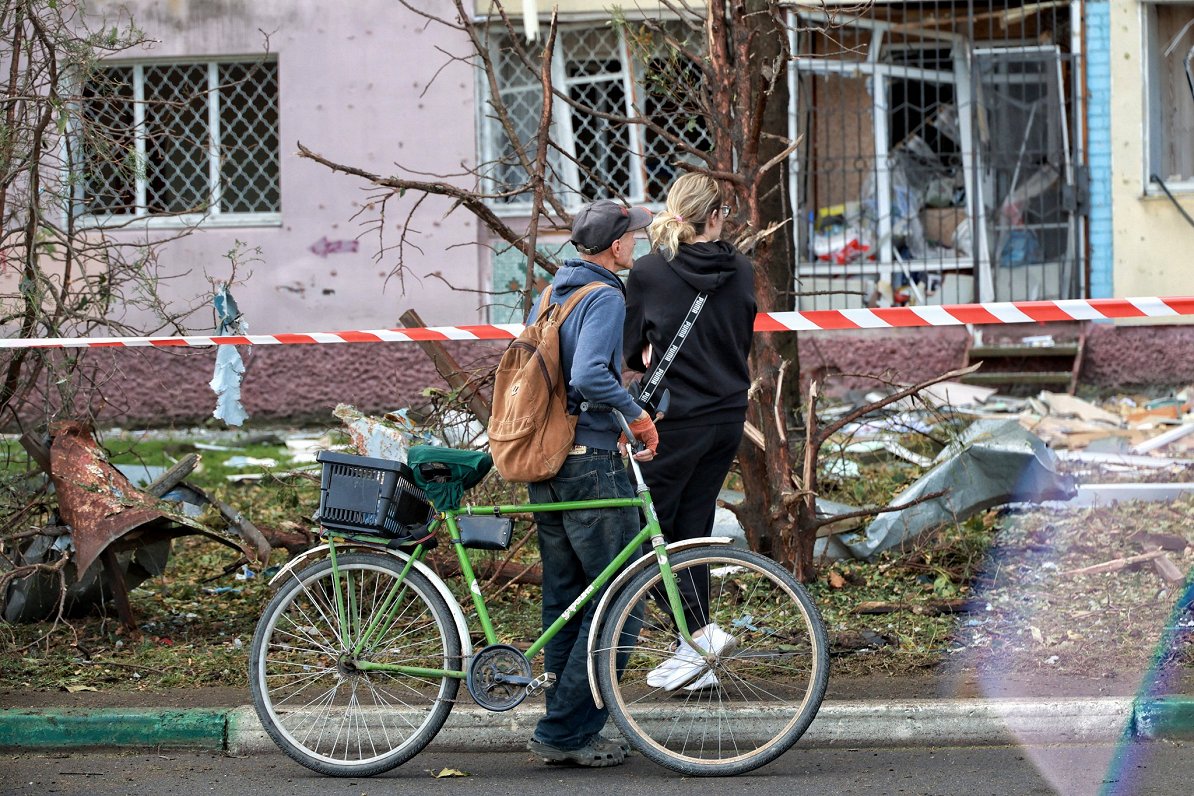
x,y
765,693
303,683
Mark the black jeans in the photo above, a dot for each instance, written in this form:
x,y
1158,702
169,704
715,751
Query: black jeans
x,y
685,476
575,547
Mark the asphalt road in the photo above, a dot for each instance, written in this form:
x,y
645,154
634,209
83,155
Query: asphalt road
x,y
1160,768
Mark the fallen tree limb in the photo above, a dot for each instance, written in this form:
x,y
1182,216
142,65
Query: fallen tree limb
x,y
1114,565
173,477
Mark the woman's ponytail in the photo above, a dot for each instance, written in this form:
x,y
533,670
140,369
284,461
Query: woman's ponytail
x,y
690,201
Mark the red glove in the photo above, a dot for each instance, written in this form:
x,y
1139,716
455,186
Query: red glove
x,y
644,432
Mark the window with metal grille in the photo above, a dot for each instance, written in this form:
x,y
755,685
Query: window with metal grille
x,y
599,70
180,139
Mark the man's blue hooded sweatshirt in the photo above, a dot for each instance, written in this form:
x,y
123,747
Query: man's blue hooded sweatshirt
x,y
591,351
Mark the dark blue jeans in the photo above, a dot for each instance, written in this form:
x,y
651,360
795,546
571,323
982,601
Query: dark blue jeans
x,y
575,547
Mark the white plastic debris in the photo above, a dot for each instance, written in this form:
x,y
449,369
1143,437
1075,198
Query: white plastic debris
x,y
230,368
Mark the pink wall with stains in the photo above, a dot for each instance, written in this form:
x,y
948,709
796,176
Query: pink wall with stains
x,y
353,87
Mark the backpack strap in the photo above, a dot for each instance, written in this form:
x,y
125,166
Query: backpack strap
x,y
565,309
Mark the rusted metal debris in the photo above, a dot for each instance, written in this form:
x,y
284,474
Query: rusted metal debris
x,y
94,498
104,509
107,516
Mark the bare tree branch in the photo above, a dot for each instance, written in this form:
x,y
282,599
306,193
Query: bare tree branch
x,y
838,424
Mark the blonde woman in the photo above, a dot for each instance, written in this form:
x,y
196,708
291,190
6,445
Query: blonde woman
x,y
708,381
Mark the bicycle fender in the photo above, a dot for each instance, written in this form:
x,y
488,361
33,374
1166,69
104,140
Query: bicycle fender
x,y
466,643
616,585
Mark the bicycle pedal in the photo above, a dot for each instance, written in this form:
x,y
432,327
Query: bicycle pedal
x,y
545,680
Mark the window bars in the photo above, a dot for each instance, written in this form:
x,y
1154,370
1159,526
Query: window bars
x,y
942,161
603,72
180,139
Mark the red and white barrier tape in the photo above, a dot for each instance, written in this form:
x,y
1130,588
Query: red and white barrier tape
x,y
1004,312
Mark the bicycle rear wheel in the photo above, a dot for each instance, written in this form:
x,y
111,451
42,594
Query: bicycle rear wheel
x,y
749,705
311,697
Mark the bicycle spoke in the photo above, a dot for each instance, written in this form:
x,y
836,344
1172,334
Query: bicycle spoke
x,y
314,701
716,728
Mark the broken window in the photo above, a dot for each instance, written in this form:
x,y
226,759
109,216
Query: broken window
x,y
604,69
180,139
1169,76
937,165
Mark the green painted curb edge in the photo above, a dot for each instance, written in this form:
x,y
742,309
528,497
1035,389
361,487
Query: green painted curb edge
x,y
113,727
1165,717
208,729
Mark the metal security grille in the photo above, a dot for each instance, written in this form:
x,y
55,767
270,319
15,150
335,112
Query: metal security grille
x,y
594,76
248,101
942,161
600,70
176,138
181,139
522,97
109,160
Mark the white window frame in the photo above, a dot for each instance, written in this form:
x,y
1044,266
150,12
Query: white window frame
x,y
562,125
1154,54
213,216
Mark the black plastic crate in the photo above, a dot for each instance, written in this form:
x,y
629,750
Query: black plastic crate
x,y
359,493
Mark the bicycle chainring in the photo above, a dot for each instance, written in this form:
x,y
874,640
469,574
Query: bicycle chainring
x,y
487,675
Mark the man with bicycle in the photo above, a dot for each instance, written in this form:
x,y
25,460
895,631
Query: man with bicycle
x,y
576,546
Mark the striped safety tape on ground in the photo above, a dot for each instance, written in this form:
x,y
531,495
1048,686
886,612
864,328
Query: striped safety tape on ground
x,y
1002,312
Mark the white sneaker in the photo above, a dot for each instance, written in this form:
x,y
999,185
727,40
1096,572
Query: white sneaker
x,y
687,664
706,680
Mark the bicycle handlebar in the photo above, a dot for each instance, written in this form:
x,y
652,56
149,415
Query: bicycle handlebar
x,y
633,443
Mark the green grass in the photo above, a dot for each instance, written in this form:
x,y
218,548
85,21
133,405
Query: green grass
x,y
197,623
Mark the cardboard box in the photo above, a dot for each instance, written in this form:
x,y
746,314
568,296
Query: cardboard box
x,y
940,223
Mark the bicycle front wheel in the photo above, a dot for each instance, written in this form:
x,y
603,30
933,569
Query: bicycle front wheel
x,y
747,706
310,693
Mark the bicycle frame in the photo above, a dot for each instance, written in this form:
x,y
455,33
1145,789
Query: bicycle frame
x,y
380,622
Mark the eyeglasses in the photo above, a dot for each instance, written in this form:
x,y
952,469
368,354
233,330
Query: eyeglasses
x,y
725,211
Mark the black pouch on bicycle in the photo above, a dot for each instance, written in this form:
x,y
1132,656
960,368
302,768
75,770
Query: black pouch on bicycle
x,y
485,533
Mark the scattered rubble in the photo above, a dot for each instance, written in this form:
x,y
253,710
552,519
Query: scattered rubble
x,y
1048,448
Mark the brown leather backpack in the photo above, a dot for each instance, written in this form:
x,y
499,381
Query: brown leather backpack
x,y
530,430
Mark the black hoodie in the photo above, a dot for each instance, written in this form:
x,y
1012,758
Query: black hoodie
x,y
709,377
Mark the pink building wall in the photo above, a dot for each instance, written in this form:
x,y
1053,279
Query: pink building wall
x,y
352,79
304,382
354,87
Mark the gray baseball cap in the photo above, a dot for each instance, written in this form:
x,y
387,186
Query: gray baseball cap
x,y
597,225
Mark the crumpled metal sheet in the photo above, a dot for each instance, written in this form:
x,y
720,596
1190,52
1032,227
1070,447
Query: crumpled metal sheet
x,y
993,463
102,507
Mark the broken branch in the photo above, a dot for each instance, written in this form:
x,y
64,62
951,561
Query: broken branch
x,y
841,422
1114,565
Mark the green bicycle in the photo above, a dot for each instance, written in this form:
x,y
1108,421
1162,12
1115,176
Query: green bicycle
x,y
359,656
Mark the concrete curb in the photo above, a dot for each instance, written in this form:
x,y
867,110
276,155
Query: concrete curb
x,y
937,722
